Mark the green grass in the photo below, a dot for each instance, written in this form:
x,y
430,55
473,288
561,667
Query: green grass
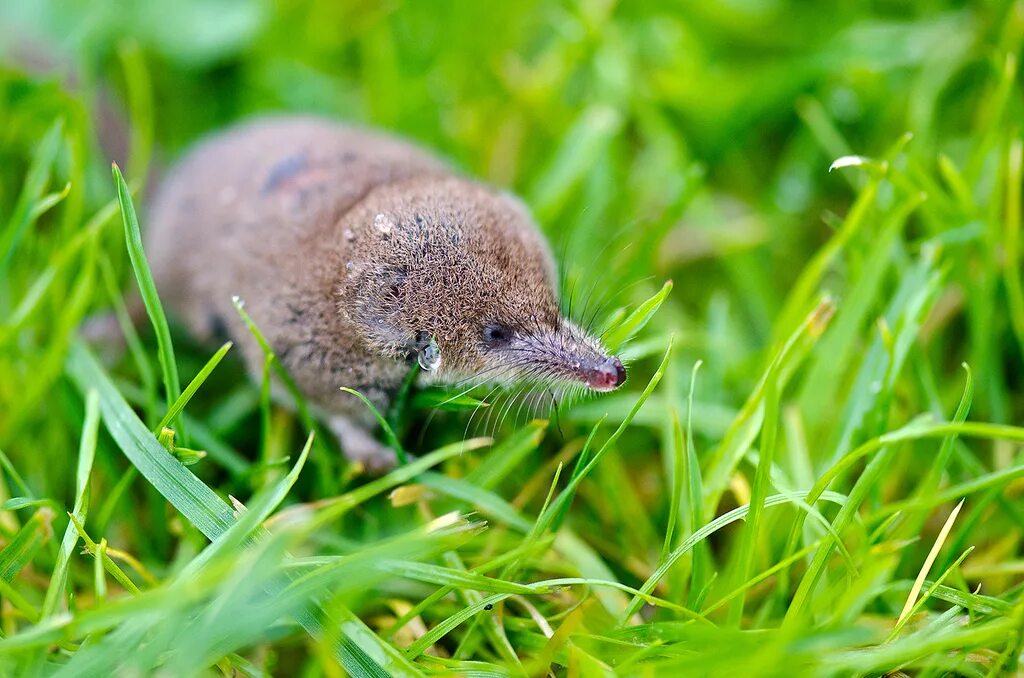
x,y
792,507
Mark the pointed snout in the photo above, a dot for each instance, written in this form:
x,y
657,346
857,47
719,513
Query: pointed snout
x,y
606,375
568,354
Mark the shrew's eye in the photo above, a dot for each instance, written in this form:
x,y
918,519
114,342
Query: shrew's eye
x,y
496,335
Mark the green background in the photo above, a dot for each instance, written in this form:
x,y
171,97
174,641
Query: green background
x,y
833,312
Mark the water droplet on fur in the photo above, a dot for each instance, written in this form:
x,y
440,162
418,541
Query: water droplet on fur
x,y
429,356
383,224
348,234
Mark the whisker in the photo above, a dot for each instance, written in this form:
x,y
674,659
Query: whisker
x,y
483,402
519,411
508,408
607,301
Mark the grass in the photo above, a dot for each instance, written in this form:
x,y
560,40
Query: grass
x,y
835,491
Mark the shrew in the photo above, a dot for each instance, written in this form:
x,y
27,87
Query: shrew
x,y
357,253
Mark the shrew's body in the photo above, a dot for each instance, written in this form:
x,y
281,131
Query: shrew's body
x,y
356,253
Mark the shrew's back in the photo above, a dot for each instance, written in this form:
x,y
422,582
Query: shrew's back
x,y
239,214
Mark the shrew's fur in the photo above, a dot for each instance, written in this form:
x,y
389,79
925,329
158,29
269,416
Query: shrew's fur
x,y
354,253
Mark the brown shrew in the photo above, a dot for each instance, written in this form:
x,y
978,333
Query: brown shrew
x,y
357,253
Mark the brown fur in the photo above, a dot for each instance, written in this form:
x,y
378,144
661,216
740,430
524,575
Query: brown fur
x,y
350,248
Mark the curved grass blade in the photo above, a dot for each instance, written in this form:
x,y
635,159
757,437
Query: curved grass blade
x,y
389,433
703,533
617,335
194,499
147,290
915,430
442,399
197,502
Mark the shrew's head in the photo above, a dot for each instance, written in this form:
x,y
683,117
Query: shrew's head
x,y
457,275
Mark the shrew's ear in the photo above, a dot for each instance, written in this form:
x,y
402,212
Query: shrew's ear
x,y
373,295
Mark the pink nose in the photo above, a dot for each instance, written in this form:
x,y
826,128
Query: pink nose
x,y
607,375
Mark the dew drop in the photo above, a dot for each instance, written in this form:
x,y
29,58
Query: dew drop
x,y
383,224
429,356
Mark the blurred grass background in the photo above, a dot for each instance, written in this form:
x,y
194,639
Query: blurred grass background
x,y
654,140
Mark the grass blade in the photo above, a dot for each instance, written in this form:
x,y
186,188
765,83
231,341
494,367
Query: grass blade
x,y
762,482
709,529
87,452
622,332
25,212
389,433
932,555
147,289
193,386
195,500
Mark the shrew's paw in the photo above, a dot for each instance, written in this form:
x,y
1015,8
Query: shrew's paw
x,y
360,447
